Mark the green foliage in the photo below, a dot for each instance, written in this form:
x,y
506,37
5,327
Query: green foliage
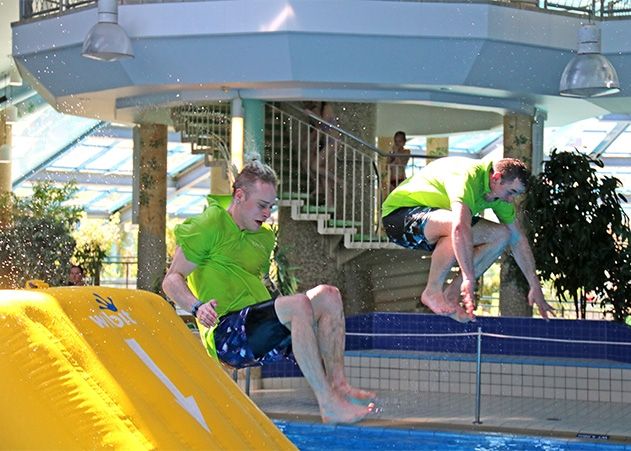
x,y
94,238
580,233
281,273
37,244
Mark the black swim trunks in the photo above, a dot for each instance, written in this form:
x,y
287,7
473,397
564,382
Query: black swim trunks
x,y
406,227
253,336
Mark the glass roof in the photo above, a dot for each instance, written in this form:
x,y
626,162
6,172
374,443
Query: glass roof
x,y
611,140
99,157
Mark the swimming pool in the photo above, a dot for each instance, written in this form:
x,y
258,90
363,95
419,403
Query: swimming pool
x,y
317,437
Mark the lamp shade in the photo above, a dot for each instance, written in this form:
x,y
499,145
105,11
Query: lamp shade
x,y
107,41
589,73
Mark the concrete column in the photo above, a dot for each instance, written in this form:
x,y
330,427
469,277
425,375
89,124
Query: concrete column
x,y
254,126
150,145
6,268
438,147
5,171
518,143
538,126
219,180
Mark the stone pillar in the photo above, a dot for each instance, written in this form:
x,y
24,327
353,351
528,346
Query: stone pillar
x,y
219,180
438,147
6,269
254,127
150,145
5,171
518,134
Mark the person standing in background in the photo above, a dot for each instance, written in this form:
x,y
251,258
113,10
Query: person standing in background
x,y
398,161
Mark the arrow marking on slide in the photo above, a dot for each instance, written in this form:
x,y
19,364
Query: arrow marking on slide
x,y
188,404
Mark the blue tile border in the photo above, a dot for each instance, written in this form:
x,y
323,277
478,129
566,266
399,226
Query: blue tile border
x,y
406,324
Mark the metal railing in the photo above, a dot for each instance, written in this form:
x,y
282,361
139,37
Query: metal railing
x,y
602,9
330,176
479,358
119,272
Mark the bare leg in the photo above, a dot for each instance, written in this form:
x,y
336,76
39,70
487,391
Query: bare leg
x,y
329,313
442,261
493,240
297,314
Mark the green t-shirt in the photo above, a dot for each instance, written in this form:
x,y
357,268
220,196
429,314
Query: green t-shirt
x,y
230,262
448,180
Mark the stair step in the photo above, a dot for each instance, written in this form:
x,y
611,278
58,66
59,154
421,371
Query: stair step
x,y
372,245
336,230
343,224
370,238
311,216
317,209
293,196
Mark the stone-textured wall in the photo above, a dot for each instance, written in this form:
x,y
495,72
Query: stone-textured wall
x,y
513,287
150,141
6,268
372,280
375,280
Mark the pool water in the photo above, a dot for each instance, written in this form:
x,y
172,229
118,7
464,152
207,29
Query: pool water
x,y
316,437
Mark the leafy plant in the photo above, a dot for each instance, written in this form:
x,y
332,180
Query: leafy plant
x,y
94,239
580,233
37,243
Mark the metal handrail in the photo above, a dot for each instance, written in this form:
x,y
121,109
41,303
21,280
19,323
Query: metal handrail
x,y
331,176
353,137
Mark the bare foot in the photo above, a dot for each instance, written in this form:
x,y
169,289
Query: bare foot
x,y
340,411
354,393
458,312
461,316
452,294
436,303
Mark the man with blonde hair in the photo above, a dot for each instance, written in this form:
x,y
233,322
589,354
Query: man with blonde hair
x,y
216,275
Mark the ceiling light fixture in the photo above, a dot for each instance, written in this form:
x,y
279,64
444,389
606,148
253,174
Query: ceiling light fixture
x,y
589,73
107,41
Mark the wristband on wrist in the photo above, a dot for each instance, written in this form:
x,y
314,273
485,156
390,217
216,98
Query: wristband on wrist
x,y
195,308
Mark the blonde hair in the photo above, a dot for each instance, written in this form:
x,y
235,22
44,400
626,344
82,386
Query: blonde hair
x,y
252,172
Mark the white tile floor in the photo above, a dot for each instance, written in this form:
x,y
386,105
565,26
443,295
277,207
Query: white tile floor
x,y
560,418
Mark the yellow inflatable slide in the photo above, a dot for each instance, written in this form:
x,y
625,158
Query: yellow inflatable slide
x,y
93,367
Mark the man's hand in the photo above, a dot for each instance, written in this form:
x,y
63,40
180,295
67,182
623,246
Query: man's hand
x,y
206,313
535,296
467,290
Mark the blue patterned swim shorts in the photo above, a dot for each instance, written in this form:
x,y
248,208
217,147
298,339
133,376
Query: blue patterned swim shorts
x,y
252,337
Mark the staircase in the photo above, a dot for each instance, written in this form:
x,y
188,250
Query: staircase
x,y
207,128
326,175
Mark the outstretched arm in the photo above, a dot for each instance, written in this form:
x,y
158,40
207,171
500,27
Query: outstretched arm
x,y
522,253
462,240
175,286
